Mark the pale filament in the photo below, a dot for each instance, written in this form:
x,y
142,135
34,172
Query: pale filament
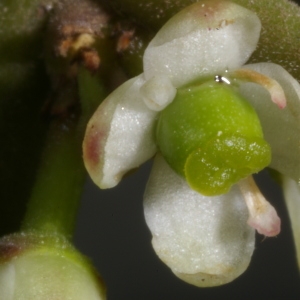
x,y
271,85
262,215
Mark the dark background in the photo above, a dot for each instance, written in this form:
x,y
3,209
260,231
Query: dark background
x,y
112,232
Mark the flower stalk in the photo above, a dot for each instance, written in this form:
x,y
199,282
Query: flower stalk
x,y
40,261
55,197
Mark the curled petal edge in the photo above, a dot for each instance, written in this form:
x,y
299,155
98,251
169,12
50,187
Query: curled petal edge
x,y
120,135
271,85
204,39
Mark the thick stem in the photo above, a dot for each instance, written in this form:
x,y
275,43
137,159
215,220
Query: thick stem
x,y
55,196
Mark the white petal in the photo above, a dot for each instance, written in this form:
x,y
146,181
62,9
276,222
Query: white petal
x,y
271,85
158,92
203,39
281,127
291,190
206,241
7,280
120,135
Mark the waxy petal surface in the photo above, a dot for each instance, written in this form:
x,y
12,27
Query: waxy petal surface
x,y
281,127
120,135
291,191
204,39
206,241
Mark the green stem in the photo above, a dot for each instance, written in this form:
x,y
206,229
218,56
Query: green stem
x,y
52,207
91,93
54,200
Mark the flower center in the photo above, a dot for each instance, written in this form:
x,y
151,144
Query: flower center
x,y
212,137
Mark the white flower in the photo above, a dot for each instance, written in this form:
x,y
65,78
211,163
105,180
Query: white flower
x,y
205,240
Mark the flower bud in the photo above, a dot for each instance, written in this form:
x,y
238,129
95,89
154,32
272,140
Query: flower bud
x,y
34,267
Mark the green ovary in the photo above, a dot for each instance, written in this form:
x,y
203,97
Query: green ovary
x,y
211,136
223,161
